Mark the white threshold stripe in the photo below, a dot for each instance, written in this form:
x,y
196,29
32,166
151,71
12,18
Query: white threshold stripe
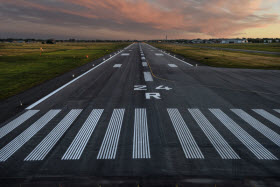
x,y
141,147
184,135
268,116
172,65
117,65
251,143
60,88
264,130
79,143
144,64
174,57
16,122
109,145
220,144
7,151
148,76
46,145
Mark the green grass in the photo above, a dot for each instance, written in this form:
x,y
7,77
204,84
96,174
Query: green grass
x,y
219,58
272,47
22,67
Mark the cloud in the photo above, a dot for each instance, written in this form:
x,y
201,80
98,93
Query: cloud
x,y
134,18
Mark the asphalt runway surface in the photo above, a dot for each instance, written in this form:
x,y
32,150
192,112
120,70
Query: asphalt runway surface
x,y
146,113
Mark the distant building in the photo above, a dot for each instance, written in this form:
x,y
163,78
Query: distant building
x,y
233,41
197,41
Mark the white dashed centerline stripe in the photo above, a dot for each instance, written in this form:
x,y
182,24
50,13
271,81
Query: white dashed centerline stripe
x,y
141,147
144,64
109,145
16,122
220,144
264,130
62,87
79,143
7,151
268,116
251,143
148,76
125,54
46,145
117,65
172,65
184,135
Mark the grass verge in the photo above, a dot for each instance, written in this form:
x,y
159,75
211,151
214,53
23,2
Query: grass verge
x,y
22,67
219,58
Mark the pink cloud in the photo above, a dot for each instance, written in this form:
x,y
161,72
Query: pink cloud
x,y
217,18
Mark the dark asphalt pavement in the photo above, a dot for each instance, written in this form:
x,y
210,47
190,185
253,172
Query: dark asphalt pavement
x,y
149,115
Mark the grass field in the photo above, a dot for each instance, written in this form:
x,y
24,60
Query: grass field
x,y
272,47
219,58
22,67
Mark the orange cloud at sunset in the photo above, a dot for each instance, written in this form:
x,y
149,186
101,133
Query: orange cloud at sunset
x,y
143,19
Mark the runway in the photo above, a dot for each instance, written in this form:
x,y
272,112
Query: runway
x,y
144,112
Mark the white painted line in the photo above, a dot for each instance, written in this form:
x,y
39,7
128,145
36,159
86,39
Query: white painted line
x,y
277,110
79,143
141,147
57,90
143,58
148,76
16,122
184,135
109,145
46,145
142,54
251,143
220,144
144,64
125,54
268,116
264,130
172,65
117,66
159,54
7,151
175,58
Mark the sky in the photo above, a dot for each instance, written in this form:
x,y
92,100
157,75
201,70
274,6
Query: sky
x,y
139,19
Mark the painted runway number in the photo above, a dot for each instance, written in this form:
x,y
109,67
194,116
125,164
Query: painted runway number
x,y
140,87
153,95
161,87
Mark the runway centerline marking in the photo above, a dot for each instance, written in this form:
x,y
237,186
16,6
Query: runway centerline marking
x,y
148,76
144,64
125,54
